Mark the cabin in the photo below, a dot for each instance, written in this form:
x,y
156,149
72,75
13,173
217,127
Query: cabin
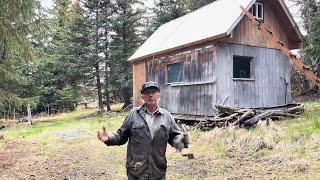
x,y
216,55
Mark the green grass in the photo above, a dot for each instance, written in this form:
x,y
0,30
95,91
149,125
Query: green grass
x,y
296,141
65,121
306,125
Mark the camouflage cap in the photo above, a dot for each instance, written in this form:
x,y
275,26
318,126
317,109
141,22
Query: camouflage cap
x,y
149,85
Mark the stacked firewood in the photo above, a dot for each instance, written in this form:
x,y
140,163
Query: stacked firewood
x,y
229,116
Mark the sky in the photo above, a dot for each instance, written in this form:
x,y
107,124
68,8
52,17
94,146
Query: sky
x,y
149,3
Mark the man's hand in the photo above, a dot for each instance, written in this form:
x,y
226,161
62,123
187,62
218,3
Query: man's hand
x,y
103,136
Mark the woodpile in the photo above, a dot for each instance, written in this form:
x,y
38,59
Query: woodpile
x,y
246,118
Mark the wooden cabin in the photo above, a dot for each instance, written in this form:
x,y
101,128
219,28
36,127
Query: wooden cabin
x,y
216,55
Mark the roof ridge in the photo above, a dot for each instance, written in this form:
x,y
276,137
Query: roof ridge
x,y
189,13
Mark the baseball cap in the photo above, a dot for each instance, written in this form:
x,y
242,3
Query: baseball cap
x,y
149,85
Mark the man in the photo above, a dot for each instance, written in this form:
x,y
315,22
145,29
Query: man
x,y
148,128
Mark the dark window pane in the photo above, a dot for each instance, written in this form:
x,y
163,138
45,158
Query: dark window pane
x,y
175,72
253,10
260,11
241,67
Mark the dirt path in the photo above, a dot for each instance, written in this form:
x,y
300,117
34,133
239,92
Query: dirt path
x,y
78,157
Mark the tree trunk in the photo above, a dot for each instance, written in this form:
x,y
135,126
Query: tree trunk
x,y
126,97
126,91
100,104
14,113
29,114
106,91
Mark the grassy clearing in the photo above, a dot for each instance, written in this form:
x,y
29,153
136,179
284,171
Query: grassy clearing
x,y
285,149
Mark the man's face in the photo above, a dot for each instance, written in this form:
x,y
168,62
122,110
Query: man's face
x,y
150,96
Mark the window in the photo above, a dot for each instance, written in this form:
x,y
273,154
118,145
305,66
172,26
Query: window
x,y
242,67
257,10
175,72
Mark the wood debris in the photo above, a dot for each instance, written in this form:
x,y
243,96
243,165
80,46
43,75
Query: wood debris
x,y
246,118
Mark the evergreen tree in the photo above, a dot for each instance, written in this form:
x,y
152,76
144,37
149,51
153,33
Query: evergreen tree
x,y
167,10
311,48
310,11
193,5
79,69
126,24
18,21
106,15
93,15
52,70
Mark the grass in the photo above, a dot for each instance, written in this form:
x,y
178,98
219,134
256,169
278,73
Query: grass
x,y
286,148
66,121
306,125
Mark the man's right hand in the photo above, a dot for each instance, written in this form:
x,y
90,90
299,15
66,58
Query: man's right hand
x,y
103,136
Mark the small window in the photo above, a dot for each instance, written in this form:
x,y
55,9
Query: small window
x,y
175,72
242,67
257,10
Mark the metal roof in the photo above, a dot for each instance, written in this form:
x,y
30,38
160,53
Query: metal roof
x,y
212,21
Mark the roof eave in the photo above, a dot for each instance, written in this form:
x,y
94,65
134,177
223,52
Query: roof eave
x,y
293,23
239,18
179,47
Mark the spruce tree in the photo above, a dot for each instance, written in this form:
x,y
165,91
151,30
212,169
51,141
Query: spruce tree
x,y
106,16
17,24
126,24
93,15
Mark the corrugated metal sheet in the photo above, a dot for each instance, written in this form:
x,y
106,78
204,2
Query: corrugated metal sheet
x,y
217,18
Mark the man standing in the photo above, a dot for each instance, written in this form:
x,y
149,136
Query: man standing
x,y
148,128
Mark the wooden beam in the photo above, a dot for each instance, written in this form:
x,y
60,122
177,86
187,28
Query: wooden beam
x,y
310,75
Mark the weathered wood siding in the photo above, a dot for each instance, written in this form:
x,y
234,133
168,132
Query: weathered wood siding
x,y
270,83
274,18
197,92
139,77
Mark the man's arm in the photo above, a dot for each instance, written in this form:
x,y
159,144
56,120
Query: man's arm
x,y
121,136
177,139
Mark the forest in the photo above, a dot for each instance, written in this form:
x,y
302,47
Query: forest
x,y
76,52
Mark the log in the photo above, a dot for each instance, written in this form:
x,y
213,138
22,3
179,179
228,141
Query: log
x,y
249,113
242,111
283,114
256,118
297,109
276,118
230,116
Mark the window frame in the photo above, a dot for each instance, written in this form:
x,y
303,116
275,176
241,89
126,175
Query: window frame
x,y
256,13
250,59
182,73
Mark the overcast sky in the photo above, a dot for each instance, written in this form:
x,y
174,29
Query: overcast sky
x,y
149,3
